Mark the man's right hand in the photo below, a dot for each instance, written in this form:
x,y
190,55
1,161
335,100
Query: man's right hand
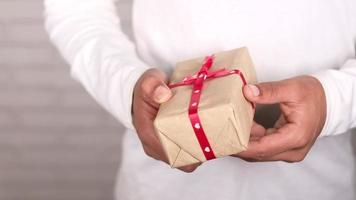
x,y
150,91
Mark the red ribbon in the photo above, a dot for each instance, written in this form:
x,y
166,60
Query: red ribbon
x,y
197,81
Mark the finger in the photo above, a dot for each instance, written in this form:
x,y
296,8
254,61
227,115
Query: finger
x,y
274,143
150,141
270,131
248,159
257,131
155,88
278,125
269,92
145,129
190,168
288,156
280,122
155,154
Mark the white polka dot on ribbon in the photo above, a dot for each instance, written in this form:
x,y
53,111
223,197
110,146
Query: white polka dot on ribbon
x,y
207,149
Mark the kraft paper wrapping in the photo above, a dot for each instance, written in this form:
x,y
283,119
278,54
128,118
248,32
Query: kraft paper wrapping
x,y
225,114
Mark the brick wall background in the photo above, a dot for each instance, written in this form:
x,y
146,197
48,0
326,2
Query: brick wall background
x,y
56,143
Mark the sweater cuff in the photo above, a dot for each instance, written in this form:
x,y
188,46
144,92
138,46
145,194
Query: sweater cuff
x,y
327,84
126,118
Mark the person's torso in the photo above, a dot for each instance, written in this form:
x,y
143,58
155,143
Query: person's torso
x,y
285,39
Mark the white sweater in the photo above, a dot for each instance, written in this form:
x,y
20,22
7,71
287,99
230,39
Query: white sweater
x,y
285,39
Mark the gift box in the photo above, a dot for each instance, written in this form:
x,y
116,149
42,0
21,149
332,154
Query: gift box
x,y
208,116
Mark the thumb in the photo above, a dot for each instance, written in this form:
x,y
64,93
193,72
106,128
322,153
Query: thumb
x,y
267,93
161,93
154,86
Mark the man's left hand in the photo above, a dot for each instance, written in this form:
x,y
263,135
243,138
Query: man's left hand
x,y
303,107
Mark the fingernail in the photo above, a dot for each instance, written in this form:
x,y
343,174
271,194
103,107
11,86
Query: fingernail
x,y
254,89
162,94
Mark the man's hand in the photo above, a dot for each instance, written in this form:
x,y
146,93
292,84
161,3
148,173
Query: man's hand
x,y
150,91
303,106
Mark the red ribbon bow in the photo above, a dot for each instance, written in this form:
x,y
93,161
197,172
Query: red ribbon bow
x,y
197,81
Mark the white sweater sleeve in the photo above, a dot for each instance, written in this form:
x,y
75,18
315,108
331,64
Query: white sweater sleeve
x,y
340,89
88,34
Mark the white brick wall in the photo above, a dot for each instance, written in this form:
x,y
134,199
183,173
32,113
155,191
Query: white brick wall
x,y
56,143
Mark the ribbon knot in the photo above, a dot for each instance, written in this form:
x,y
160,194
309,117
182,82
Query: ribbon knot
x,y
197,81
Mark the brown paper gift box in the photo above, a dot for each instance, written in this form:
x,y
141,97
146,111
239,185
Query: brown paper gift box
x,y
225,114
